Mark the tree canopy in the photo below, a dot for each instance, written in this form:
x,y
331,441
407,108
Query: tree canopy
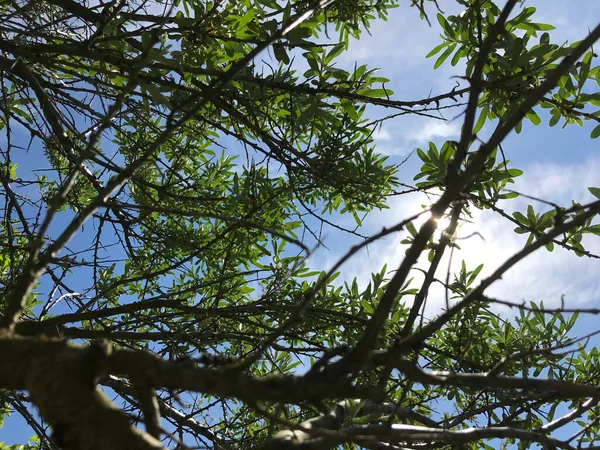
x,y
169,169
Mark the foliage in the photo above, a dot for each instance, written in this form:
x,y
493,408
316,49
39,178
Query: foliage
x,y
164,185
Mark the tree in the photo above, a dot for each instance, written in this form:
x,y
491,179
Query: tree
x,y
167,170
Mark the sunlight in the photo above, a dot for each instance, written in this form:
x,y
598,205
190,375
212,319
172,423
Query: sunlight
x,y
442,224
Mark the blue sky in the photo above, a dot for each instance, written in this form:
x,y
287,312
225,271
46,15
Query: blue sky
x,y
558,165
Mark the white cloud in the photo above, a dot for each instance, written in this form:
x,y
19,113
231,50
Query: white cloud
x,y
398,47
403,40
541,276
432,129
546,275
382,134
560,183
388,144
384,251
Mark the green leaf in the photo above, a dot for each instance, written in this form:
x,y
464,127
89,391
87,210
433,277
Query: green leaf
x,y
514,173
280,54
520,218
518,127
445,25
312,60
308,113
444,56
337,50
531,214
461,52
584,69
508,195
595,192
533,117
595,132
375,93
367,306
410,227
543,26
481,120
21,112
593,229
157,96
298,34
436,49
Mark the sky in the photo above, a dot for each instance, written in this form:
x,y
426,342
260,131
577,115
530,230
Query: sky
x,y
559,165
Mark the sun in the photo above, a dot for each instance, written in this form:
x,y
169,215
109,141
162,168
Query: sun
x,y
442,224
